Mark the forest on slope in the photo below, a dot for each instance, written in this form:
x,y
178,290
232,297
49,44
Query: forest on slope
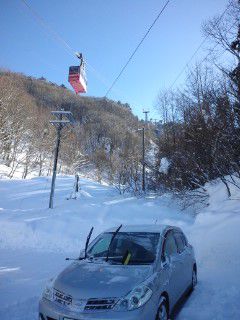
x,y
103,137
201,119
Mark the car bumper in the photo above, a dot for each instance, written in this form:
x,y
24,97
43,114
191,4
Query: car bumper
x,y
50,310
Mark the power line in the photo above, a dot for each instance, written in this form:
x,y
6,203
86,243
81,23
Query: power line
x,y
211,51
199,47
98,75
60,39
136,49
47,27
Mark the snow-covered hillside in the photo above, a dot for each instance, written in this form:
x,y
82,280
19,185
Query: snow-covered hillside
x,y
34,240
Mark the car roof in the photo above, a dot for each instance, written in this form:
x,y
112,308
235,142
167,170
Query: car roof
x,y
156,228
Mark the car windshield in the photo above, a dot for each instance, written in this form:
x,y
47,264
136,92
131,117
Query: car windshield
x,y
141,246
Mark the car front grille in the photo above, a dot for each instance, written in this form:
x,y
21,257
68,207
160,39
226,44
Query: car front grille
x,y
100,304
84,305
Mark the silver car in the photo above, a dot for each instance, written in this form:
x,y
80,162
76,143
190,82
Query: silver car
x,y
132,273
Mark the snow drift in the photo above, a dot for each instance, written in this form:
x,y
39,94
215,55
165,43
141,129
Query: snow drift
x,y
34,240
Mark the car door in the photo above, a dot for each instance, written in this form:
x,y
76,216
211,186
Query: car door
x,y
185,261
171,266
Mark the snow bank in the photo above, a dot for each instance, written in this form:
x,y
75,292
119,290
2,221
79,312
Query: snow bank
x,y
216,237
164,165
34,240
4,171
63,229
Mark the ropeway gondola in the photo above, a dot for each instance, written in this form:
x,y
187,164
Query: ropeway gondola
x,y
77,76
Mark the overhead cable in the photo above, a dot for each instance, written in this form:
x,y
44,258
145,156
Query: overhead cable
x,y
60,39
137,47
199,47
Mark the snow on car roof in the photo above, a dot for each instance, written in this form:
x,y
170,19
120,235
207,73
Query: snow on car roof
x,y
159,228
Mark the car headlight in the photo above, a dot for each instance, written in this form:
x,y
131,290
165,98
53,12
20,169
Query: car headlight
x,y
48,291
134,299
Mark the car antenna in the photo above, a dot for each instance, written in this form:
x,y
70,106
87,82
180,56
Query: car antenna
x,y
86,247
113,237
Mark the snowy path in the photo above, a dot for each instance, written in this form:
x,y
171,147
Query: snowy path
x,y
34,241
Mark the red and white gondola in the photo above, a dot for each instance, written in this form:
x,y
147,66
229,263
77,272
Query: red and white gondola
x,y
77,76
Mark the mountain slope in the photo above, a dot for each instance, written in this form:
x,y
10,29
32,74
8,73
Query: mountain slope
x,y
102,136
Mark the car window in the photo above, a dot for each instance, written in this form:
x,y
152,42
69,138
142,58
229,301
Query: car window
x,y
142,247
180,241
101,246
170,247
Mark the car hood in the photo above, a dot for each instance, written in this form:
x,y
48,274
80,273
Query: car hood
x,y
83,280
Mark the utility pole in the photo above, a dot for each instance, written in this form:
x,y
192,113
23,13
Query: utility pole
x,y
143,160
146,115
64,118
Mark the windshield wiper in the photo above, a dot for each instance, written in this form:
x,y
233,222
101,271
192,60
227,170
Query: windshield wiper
x,y
86,247
113,237
87,243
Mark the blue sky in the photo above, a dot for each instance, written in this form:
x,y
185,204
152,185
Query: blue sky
x,y
106,32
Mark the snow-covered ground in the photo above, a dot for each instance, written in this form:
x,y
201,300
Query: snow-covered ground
x,y
34,240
